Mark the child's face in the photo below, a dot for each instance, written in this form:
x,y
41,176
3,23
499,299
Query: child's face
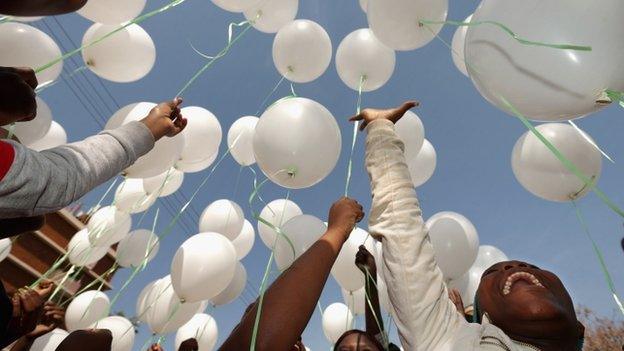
x,y
527,302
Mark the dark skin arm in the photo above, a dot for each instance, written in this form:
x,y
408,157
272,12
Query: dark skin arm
x,y
97,339
27,309
290,301
53,317
189,345
16,226
40,7
365,261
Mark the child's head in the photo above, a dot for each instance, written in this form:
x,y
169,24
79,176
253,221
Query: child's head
x,y
354,340
17,95
527,303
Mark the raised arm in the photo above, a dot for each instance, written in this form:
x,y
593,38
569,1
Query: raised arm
x,y
39,7
290,301
425,316
365,261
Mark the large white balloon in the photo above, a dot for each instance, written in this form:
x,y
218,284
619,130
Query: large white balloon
x,y
457,47
302,51
412,131
49,341
240,140
202,134
277,213
422,166
126,56
193,167
270,16
201,327
26,18
542,174
344,270
234,289
139,246
398,23
168,311
56,136
547,84
112,11
165,153
455,242
355,300
80,252
31,131
337,319
108,226
122,330
297,143
301,231
144,301
225,217
205,257
131,197
26,46
362,60
489,256
467,285
5,248
165,183
235,5
244,241
86,309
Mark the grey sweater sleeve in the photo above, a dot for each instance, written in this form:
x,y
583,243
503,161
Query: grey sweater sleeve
x,y
43,182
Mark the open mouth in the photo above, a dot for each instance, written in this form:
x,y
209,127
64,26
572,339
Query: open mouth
x,y
524,278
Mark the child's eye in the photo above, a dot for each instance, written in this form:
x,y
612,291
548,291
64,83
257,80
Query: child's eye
x,y
490,271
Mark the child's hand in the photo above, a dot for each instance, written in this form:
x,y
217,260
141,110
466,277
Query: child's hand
x,y
165,119
344,215
456,298
17,94
369,115
365,261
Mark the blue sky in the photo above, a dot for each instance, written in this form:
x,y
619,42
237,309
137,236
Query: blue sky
x,y
472,138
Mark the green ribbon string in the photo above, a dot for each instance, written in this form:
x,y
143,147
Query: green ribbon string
x,y
5,19
600,257
511,33
99,203
589,140
137,20
59,261
264,101
615,96
11,131
48,84
62,282
254,335
356,125
370,305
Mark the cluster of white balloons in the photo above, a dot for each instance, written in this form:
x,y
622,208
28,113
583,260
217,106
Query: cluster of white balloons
x,y
420,155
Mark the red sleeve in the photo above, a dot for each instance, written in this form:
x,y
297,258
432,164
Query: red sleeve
x,y
7,156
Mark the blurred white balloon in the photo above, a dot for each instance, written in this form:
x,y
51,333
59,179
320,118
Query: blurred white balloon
x,y
467,285
302,231
131,197
346,273
235,5
244,241
165,183
203,328
112,11
169,311
277,213
144,301
337,319
270,16
86,309
412,131
302,51
193,167
118,118
5,248
122,330
457,47
225,217
202,134
489,256
139,246
240,140
26,19
56,136
541,173
297,143
81,253
49,341
234,288
422,166
362,60
31,131
363,5
455,242
108,226
126,56
26,46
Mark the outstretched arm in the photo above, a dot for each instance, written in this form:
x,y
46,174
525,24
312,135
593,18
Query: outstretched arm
x,y
29,8
290,301
365,261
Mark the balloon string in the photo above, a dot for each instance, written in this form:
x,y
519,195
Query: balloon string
x,y
148,307
590,141
137,20
99,203
54,267
11,131
615,96
369,279
356,125
254,335
599,255
62,282
511,33
5,19
48,84
270,94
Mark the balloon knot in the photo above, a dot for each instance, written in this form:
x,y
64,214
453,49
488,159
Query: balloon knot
x,y
604,98
292,171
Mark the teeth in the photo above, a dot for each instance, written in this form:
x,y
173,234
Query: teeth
x,y
517,276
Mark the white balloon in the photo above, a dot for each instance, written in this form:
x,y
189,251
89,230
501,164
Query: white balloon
x,y
337,319
139,246
224,217
270,16
108,226
80,252
235,5
422,166
363,5
297,143
205,257
467,285
131,197
411,130
123,340
165,183
201,327
126,56
547,84
355,300
302,232
112,11
489,256
234,289
397,23
49,341
362,60
202,134
56,136
193,167
5,248
541,173
31,131
457,47
244,241
302,51
144,301
26,46
168,311
277,213
86,309
346,273
240,140
118,118
26,18
455,242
